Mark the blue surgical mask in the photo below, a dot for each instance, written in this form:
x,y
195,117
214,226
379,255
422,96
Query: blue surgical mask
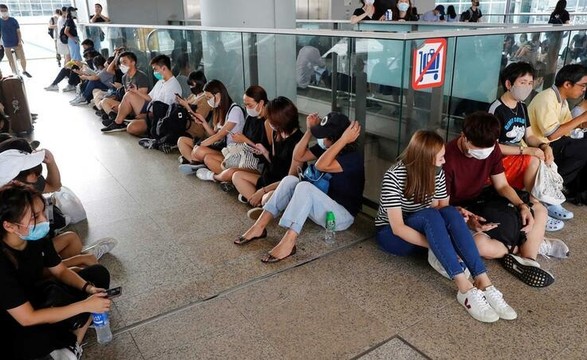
x,y
321,143
403,7
158,75
36,232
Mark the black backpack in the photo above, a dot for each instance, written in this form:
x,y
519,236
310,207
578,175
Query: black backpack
x,y
62,36
172,126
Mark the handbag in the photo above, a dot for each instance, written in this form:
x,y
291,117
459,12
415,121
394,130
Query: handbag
x,y
548,185
239,156
69,204
319,179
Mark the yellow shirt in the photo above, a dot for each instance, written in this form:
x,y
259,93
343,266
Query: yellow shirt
x,y
547,112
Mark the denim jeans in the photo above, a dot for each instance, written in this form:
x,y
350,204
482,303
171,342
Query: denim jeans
x,y
448,237
74,49
299,200
93,84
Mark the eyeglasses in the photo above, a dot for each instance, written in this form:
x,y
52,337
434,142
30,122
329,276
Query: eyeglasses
x,y
584,86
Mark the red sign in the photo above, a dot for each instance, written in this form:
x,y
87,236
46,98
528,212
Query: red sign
x,y
429,64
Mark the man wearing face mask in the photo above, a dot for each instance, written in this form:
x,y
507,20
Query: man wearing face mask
x,y
12,40
522,150
132,78
135,101
472,159
473,14
552,122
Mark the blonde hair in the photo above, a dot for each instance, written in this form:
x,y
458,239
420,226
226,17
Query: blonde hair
x,y
419,157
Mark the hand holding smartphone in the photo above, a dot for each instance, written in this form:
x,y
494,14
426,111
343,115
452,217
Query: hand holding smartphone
x,y
114,292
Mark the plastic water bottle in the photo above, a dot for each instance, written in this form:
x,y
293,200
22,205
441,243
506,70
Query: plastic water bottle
x,y
388,15
330,234
102,326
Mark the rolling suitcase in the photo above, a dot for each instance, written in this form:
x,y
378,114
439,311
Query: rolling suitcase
x,y
15,103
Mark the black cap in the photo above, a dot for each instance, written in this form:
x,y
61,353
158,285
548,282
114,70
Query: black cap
x,y
71,8
331,126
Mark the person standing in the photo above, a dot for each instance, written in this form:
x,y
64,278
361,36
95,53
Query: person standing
x,y
560,15
95,33
12,40
62,49
71,32
473,14
53,31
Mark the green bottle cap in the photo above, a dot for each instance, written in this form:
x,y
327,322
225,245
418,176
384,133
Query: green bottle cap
x,y
329,216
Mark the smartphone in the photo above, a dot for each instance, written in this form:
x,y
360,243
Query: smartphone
x,y
114,292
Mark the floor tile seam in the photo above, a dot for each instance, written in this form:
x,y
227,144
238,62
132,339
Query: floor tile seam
x,y
226,292
396,336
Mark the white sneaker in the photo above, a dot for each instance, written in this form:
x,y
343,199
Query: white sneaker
x,y
242,199
255,213
52,88
80,101
495,299
436,265
554,247
69,88
475,303
205,174
75,99
101,247
63,354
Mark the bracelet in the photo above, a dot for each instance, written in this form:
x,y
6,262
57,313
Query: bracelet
x,y
85,287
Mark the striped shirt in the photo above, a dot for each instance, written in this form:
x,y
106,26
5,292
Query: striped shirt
x,y
392,193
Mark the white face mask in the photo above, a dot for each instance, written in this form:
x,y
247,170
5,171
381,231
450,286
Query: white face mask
x,y
521,93
4,14
403,7
369,2
252,112
123,68
481,154
212,103
321,143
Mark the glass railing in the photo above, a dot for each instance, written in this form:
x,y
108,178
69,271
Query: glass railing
x,y
366,75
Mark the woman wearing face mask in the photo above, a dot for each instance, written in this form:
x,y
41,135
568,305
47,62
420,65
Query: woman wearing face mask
x,y
71,32
364,13
414,214
195,103
255,133
228,118
522,150
403,11
337,154
34,323
283,134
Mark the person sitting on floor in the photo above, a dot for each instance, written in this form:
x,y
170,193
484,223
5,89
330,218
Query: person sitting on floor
x,y
100,80
523,151
471,159
70,70
133,77
337,154
228,118
414,214
254,134
34,322
284,134
136,101
197,100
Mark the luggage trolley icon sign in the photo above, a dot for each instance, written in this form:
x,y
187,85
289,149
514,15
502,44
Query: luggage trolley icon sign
x,y
429,64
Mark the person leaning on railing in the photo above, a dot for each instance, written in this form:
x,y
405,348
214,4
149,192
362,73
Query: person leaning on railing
x,y
365,12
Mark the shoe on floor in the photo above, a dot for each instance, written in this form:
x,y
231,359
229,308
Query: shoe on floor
x,y
527,270
69,88
477,306
26,73
81,101
101,247
226,186
553,247
254,213
559,212
242,199
205,174
52,87
182,160
553,224
148,143
114,127
495,299
73,352
189,169
436,265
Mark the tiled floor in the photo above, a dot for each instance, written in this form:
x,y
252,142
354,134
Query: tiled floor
x,y
188,292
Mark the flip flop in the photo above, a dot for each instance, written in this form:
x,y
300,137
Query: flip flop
x,y
241,240
269,259
559,212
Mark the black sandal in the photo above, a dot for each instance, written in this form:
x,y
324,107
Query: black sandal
x,y
269,259
241,240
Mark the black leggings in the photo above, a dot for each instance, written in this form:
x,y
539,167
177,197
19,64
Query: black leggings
x,y
570,155
73,78
32,342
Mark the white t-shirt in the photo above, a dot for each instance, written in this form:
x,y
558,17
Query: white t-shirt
x,y
237,117
165,91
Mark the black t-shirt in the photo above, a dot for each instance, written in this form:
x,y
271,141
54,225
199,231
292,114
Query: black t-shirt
x,y
69,23
99,19
346,187
472,15
18,284
280,153
359,12
513,122
254,130
559,18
